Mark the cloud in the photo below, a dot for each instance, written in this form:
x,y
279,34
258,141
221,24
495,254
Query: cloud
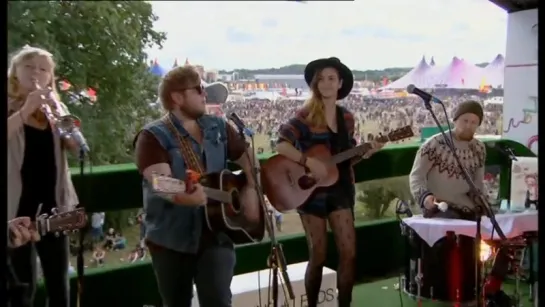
x,y
269,23
239,36
365,34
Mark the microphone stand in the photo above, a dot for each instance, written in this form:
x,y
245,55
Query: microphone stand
x,y
482,203
276,261
507,158
80,261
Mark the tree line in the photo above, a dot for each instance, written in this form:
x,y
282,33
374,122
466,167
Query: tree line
x,y
375,75
98,45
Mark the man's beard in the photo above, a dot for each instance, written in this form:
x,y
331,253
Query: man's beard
x,y
465,135
192,113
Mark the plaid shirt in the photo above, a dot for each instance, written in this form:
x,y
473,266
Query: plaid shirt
x,y
299,132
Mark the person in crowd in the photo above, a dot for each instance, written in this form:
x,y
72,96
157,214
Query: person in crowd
x,y
140,220
322,121
109,239
137,254
97,226
183,250
436,177
278,216
38,175
99,255
119,242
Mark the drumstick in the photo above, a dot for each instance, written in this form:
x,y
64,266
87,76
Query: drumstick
x,y
443,206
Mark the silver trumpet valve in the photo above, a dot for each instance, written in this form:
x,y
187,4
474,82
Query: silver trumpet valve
x,y
65,123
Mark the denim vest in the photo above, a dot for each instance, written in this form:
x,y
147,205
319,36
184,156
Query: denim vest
x,y
173,226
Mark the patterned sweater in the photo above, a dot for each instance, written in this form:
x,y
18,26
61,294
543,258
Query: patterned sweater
x,y
436,172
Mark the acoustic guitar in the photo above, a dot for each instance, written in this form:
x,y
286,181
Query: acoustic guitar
x,y
58,223
224,211
289,184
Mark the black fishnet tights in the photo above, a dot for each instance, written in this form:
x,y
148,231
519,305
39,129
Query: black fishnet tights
x,y
342,225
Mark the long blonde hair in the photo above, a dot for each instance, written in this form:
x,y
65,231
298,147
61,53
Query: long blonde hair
x,y
315,105
14,88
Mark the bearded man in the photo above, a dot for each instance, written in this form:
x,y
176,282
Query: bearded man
x,y
436,177
182,248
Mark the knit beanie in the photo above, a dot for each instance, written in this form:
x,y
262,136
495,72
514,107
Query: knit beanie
x,y
469,106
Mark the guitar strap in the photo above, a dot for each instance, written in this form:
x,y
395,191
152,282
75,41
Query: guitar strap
x,y
190,158
343,144
344,138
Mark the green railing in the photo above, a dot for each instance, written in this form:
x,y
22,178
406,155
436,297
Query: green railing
x,y
118,187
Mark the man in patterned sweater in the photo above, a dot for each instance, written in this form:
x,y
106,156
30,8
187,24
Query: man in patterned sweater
x,y
436,177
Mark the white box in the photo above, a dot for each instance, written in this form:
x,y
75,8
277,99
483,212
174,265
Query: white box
x,y
245,288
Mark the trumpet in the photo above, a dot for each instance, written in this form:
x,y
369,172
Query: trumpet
x,y
64,123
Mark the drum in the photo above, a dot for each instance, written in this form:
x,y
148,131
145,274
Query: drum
x,y
444,272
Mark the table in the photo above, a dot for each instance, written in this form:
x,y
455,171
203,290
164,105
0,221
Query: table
x,y
512,224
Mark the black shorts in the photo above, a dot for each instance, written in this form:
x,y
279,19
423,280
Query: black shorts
x,y
323,207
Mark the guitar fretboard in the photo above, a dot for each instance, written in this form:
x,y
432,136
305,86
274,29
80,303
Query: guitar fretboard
x,y
353,152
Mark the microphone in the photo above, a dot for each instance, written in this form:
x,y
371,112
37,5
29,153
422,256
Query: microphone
x,y
240,125
78,137
504,150
427,97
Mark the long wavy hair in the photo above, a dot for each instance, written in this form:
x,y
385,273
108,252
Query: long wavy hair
x,y
15,93
315,104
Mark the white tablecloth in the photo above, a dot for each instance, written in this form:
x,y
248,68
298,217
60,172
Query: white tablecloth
x,y
512,224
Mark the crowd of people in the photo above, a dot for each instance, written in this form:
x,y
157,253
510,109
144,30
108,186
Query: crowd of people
x,y
373,116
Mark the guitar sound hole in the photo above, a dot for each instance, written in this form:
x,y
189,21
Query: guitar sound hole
x,y
235,206
306,182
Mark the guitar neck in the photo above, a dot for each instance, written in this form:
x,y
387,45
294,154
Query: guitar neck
x,y
217,195
351,153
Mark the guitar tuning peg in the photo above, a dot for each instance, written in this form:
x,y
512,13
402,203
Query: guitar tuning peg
x,y
54,211
57,234
65,232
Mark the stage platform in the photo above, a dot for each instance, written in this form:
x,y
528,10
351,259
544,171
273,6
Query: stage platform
x,y
384,293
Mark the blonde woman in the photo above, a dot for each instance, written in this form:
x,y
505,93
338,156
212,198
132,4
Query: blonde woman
x,y
321,121
38,175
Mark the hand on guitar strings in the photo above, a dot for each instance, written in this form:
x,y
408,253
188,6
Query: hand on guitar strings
x,y
21,231
375,146
317,168
197,197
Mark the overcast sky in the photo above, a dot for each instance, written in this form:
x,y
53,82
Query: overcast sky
x,y
365,34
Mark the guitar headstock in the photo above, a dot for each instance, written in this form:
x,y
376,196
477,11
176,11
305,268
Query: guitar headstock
x,y
62,222
396,135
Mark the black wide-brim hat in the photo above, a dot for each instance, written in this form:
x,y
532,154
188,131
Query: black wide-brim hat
x,y
345,74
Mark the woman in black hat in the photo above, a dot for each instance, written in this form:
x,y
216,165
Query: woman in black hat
x,y
321,121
